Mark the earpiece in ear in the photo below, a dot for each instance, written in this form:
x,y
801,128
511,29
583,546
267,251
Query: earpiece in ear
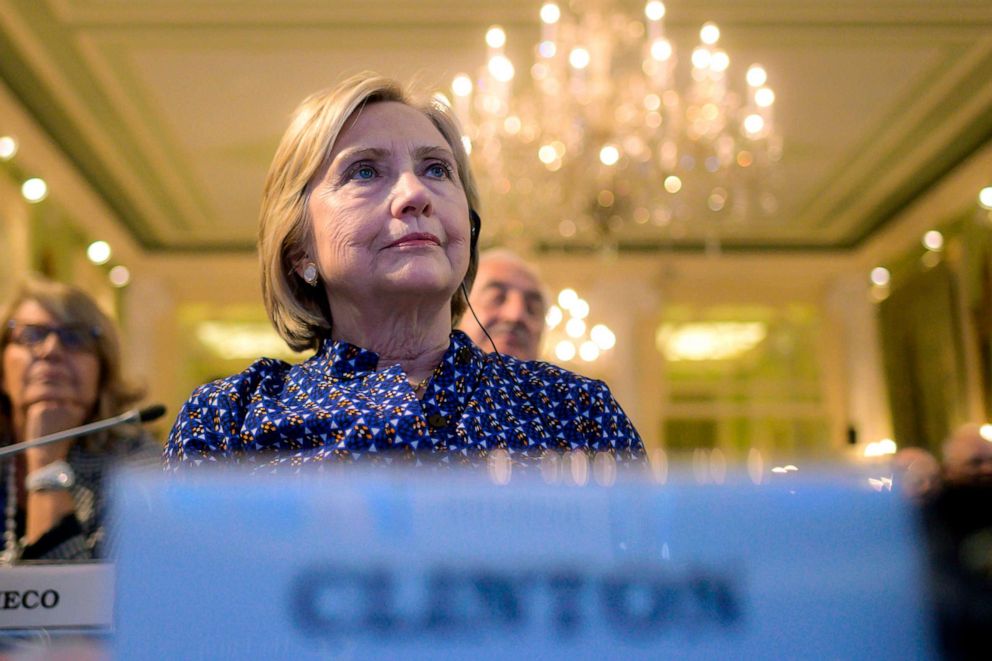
x,y
475,227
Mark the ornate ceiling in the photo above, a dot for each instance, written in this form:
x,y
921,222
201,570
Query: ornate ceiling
x,y
171,109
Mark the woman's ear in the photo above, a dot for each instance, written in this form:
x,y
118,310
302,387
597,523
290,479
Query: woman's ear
x,y
298,254
298,257
299,265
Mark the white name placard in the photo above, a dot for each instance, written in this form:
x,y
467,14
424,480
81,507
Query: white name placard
x,y
68,596
229,566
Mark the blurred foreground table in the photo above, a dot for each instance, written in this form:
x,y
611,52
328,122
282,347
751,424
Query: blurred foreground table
x,y
442,566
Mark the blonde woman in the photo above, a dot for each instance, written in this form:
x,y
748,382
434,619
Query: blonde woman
x,y
368,246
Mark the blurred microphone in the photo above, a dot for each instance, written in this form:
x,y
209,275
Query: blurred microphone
x,y
146,414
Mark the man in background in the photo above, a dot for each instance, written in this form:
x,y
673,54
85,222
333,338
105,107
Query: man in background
x,y
917,472
968,457
510,301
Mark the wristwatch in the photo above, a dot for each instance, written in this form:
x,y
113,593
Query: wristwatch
x,y
56,476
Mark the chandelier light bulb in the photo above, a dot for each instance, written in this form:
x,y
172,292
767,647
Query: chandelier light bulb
x,y
8,148
579,58
546,49
119,276
701,58
985,197
554,316
720,61
661,50
603,336
756,75
501,68
34,190
709,34
764,97
461,85
580,308
550,13
567,297
654,10
673,184
880,276
98,252
609,155
933,241
575,328
588,351
753,124
716,200
496,37
547,154
565,350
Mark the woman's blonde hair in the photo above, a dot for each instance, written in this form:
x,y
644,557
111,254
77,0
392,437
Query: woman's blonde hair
x,y
299,311
70,305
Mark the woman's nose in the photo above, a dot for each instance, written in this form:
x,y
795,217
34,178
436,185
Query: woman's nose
x,y
51,345
514,307
411,197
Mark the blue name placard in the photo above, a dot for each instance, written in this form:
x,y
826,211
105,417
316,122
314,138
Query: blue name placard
x,y
392,566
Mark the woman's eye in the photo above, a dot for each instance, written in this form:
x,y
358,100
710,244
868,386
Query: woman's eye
x,y
439,170
362,172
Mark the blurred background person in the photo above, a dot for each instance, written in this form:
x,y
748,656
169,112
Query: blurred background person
x,y
917,472
959,537
368,247
967,456
60,368
510,302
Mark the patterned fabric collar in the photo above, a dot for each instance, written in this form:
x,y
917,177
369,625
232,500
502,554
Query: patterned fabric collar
x,y
341,361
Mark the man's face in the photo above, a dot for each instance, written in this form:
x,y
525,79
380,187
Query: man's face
x,y
510,304
968,459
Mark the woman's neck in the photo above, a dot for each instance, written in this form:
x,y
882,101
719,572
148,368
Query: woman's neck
x,y
416,339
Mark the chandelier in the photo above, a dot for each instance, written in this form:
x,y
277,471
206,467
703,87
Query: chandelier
x,y
613,141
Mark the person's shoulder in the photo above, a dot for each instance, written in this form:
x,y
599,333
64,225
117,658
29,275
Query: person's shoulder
x,y
585,408
237,388
549,373
537,375
207,419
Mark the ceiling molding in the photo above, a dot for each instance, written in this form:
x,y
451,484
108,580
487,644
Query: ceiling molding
x,y
170,110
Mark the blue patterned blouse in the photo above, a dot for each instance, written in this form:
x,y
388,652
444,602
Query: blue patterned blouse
x,y
337,406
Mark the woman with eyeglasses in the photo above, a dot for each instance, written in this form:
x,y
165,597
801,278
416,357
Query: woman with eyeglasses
x,y
60,368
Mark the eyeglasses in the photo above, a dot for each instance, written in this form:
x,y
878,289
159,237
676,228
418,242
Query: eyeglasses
x,y
73,337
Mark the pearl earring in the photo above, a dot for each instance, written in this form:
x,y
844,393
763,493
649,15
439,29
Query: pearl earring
x,y
310,273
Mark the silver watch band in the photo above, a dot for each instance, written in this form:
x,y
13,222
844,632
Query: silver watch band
x,y
56,476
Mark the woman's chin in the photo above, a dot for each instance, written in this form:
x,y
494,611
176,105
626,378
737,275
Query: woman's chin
x,y
419,286
421,278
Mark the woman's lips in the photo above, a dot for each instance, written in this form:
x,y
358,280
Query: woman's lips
x,y
50,378
416,239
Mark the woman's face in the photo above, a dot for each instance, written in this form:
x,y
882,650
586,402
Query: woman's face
x,y
390,217
48,372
